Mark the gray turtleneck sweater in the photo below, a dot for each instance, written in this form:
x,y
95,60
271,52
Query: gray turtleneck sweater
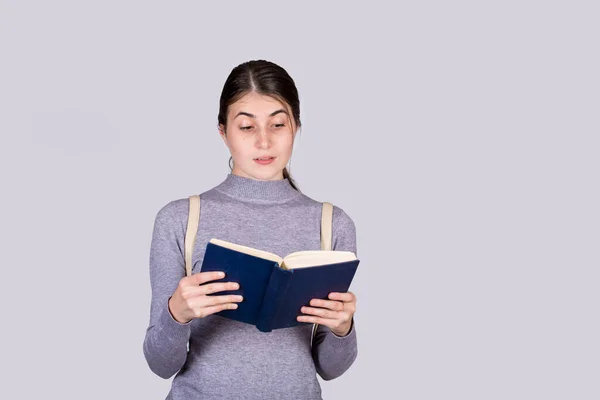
x,y
229,359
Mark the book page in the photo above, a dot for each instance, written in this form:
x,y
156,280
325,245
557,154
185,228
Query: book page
x,y
247,250
313,258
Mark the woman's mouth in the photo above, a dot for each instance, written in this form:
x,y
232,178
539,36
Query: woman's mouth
x,y
264,160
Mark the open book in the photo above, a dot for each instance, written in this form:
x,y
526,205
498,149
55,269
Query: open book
x,y
275,288
297,259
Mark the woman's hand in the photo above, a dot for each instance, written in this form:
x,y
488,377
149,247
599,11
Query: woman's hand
x,y
336,313
190,299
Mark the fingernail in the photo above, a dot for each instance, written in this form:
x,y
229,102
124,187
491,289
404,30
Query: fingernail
x,y
233,306
221,274
240,298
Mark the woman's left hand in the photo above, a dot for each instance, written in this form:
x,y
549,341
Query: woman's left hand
x,y
335,313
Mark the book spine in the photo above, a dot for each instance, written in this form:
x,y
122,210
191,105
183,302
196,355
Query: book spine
x,y
274,296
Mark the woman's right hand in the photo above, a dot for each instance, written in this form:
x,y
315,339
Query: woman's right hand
x,y
190,299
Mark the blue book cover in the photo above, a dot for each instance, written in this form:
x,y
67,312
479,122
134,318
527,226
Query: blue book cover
x,y
273,295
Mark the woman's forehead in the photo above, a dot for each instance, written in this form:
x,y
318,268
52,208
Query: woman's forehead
x,y
257,104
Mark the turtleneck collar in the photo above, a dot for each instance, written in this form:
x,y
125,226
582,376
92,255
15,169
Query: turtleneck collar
x,y
252,189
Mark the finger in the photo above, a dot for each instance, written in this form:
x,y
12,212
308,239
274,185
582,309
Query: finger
x,y
321,312
193,291
315,320
328,322
209,301
211,288
202,312
203,277
345,297
330,304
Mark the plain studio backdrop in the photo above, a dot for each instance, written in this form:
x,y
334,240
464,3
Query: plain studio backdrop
x,y
461,137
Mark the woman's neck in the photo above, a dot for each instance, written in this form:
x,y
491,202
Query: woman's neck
x,y
240,187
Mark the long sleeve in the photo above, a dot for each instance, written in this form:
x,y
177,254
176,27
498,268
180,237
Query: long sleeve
x,y
166,340
333,355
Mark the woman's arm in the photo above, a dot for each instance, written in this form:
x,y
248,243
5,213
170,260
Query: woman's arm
x,y
333,355
166,341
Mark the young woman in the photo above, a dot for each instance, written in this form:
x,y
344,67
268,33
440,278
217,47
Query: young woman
x,y
258,205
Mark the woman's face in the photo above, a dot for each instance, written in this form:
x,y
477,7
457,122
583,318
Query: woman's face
x,y
259,127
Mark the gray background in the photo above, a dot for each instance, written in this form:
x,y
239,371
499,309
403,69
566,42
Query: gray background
x,y
461,137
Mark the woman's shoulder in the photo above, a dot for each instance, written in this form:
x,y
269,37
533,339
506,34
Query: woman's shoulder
x,y
177,209
340,219
343,230
173,212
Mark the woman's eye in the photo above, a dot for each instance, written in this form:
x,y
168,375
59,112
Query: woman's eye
x,y
247,128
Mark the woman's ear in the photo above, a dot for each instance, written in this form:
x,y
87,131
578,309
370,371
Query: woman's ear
x,y
223,134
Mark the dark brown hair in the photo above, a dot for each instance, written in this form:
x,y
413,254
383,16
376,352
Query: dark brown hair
x,y
265,78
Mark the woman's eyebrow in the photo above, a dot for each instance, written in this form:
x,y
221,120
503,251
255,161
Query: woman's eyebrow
x,y
281,110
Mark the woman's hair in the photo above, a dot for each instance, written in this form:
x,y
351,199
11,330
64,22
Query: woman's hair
x,y
265,78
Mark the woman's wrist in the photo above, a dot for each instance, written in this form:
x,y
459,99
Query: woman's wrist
x,y
173,314
344,332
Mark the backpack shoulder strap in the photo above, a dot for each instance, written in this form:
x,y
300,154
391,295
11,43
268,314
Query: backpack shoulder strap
x,y
326,226
326,242
191,230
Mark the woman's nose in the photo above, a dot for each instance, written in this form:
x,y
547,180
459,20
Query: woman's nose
x,y
263,138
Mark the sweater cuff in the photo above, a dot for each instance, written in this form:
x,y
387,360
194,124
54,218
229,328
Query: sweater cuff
x,y
173,329
351,336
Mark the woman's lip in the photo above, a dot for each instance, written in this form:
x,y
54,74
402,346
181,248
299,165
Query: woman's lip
x,y
264,162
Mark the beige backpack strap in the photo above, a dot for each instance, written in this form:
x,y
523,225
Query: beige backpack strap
x,y
191,230
326,241
326,231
